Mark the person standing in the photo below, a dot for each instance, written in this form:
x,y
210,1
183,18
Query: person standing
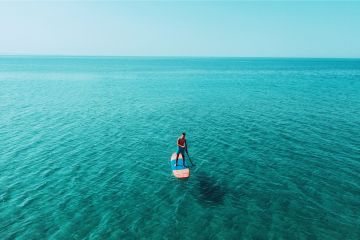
x,y
181,148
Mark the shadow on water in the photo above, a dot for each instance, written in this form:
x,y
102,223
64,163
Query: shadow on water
x,y
209,191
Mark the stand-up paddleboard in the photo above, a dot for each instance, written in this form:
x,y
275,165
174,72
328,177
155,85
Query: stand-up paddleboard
x,y
179,171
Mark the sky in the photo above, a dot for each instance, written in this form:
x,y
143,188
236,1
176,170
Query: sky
x,y
188,28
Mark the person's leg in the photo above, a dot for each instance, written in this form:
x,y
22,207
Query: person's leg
x,y
177,157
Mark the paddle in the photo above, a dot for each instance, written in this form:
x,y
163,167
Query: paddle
x,y
189,158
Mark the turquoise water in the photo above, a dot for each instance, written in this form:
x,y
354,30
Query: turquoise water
x,y
85,144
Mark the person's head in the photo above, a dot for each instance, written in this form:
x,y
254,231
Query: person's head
x,y
183,135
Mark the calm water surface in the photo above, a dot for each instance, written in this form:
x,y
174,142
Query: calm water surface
x,y
85,144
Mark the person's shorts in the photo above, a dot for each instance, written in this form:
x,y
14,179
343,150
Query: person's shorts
x,y
180,150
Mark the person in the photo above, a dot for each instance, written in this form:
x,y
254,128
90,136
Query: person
x,y
181,148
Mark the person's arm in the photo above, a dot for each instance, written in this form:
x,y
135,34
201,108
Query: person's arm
x,y
185,144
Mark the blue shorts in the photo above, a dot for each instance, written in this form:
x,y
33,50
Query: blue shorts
x,y
180,150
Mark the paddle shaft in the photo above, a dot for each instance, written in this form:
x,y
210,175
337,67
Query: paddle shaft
x,y
189,158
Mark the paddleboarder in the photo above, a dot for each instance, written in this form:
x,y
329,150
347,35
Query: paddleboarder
x,y
181,148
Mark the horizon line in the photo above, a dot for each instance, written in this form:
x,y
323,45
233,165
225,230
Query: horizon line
x,y
170,56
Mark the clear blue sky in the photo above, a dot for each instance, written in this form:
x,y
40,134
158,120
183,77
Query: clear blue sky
x,y
169,28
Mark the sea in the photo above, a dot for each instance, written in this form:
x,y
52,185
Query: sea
x,y
85,144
